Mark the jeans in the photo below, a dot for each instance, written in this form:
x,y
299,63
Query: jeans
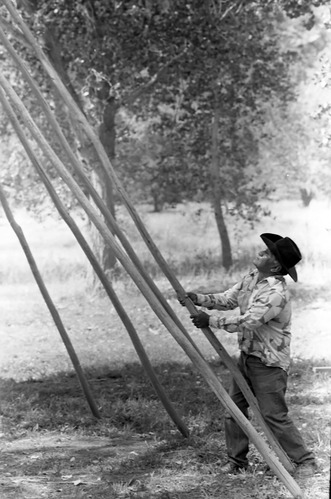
x,y
269,386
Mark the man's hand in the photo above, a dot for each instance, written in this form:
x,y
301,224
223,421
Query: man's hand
x,y
200,320
190,295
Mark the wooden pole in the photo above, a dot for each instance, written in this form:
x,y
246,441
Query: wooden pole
x,y
55,315
98,270
225,357
79,169
187,346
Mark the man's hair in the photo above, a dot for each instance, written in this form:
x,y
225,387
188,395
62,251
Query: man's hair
x,y
282,270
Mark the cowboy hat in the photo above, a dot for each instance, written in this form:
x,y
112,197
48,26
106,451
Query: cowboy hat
x,y
285,250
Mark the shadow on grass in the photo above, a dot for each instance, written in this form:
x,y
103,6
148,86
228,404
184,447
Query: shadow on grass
x,y
51,434
126,399
134,451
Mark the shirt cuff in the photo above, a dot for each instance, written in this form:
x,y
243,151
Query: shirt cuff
x,y
216,322
203,300
228,324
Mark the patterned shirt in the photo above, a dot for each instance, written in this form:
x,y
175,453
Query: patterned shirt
x,y
263,325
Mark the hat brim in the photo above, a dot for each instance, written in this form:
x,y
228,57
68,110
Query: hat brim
x,y
270,240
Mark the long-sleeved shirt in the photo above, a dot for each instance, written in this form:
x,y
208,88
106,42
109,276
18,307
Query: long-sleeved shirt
x,y
263,325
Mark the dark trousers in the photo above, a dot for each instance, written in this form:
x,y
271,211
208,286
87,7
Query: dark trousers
x,y
269,386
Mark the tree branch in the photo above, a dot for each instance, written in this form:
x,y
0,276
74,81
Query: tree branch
x,y
133,96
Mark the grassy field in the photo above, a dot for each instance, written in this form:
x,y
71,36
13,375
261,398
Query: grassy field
x,y
53,447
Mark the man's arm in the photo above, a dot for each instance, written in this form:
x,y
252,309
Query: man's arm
x,y
220,301
264,308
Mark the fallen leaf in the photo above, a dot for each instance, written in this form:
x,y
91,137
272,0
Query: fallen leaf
x,y
78,482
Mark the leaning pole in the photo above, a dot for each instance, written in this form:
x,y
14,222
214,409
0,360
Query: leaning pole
x,y
98,270
79,170
49,302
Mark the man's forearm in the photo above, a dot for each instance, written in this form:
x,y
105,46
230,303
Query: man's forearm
x,y
221,322
215,301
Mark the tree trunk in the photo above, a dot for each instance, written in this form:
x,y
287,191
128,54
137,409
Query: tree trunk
x,y
157,197
107,137
223,232
108,258
217,194
306,196
106,132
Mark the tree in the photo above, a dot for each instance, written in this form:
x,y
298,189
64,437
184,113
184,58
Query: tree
x,y
294,141
180,67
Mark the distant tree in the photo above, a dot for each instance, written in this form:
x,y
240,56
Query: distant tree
x,y
294,142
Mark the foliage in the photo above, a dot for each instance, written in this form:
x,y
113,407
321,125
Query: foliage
x,y
167,69
17,174
200,55
294,142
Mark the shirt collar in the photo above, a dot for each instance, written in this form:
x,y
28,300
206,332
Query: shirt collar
x,y
272,280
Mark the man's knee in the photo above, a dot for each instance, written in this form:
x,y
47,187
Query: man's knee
x,y
274,416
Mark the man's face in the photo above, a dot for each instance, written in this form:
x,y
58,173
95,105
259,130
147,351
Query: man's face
x,y
265,261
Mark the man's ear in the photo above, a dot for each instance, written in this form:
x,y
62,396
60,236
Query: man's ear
x,y
276,268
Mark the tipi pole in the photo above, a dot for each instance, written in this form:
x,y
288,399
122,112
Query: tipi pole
x,y
80,172
187,346
225,357
98,270
49,302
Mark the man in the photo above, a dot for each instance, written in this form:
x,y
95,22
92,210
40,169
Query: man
x,y
264,336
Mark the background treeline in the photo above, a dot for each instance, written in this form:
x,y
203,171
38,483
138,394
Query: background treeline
x,y
226,102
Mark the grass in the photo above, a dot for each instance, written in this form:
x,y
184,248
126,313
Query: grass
x,y
167,463
127,401
187,237
135,451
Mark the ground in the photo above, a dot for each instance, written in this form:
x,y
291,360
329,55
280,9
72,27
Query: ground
x,y
51,447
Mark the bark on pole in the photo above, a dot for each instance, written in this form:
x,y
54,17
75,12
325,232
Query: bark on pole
x,y
159,310
98,270
49,302
228,361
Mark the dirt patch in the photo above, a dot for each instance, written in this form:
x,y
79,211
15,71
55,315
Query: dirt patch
x,y
63,466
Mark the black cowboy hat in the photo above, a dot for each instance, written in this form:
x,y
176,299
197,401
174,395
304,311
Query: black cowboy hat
x,y
285,250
